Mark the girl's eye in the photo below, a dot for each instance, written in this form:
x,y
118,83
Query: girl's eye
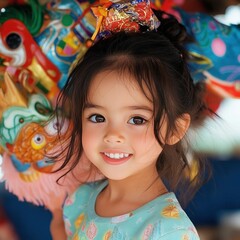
x,y
96,118
137,120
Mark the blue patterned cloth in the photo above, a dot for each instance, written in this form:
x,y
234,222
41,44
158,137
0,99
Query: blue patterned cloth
x,y
162,218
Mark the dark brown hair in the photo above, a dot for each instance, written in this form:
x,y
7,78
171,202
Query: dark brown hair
x,y
156,59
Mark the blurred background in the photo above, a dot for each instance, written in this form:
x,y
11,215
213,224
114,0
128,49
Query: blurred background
x,y
56,32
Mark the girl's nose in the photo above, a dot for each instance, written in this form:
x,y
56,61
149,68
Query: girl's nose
x,y
113,137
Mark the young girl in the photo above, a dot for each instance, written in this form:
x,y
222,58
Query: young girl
x,y
132,100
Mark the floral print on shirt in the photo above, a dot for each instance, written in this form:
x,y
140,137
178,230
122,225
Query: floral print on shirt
x,y
162,218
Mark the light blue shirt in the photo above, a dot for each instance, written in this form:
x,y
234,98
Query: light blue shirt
x,y
162,218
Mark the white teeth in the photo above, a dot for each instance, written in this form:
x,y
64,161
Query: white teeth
x,y
117,155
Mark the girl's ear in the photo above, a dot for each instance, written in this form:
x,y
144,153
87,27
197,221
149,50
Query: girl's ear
x,y
182,125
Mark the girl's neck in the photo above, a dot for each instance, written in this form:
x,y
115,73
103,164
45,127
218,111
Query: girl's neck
x,y
132,190
123,196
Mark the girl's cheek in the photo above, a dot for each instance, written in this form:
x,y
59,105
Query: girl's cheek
x,y
91,132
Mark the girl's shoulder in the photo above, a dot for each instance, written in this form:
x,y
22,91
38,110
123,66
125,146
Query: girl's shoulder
x,y
85,192
175,224
91,186
168,220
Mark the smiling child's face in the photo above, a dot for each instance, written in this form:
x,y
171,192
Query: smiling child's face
x,y
118,136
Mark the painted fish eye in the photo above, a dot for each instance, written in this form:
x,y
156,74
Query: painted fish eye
x,y
42,109
38,141
56,126
21,120
13,41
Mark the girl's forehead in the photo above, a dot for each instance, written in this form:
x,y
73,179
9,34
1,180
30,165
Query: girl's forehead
x,y
118,79
106,84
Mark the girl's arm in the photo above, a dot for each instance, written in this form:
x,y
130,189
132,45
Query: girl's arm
x,y
57,228
184,233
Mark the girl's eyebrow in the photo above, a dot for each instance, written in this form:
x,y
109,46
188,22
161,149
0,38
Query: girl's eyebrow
x,y
91,105
140,107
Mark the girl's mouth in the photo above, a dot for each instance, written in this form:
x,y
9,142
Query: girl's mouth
x,y
115,158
